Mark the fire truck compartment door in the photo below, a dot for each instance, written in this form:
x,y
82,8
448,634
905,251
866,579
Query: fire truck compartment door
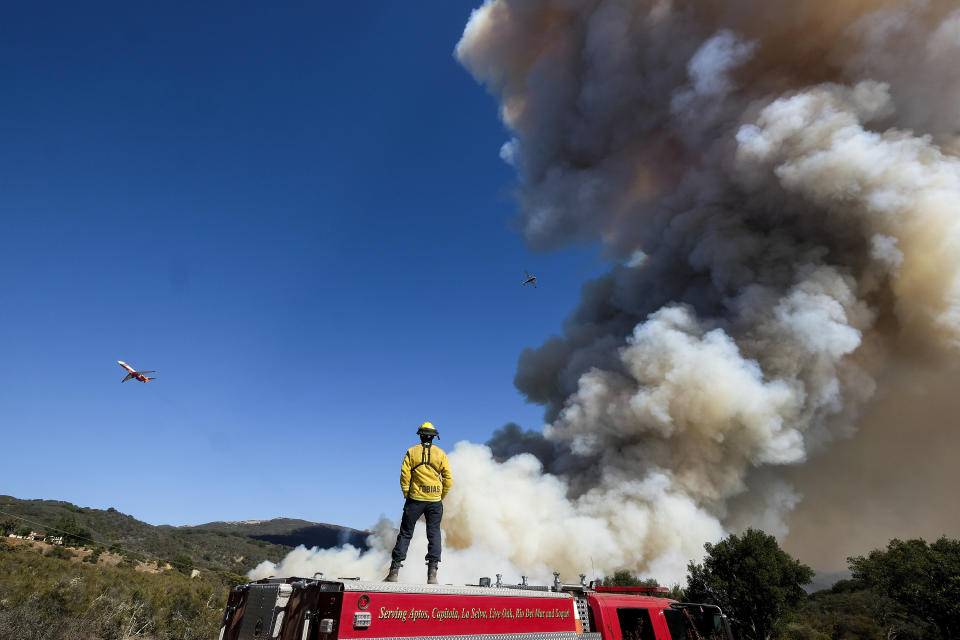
x,y
263,616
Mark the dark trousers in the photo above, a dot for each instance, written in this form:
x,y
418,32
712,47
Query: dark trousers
x,y
412,510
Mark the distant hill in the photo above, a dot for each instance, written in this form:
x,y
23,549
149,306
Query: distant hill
x,y
292,532
232,546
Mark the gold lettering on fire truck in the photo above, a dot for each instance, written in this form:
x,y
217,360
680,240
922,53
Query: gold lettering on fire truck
x,y
413,614
541,613
444,614
392,614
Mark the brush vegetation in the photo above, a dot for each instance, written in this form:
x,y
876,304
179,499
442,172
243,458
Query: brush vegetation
x,y
47,594
116,577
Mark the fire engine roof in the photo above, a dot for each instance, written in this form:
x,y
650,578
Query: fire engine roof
x,y
449,589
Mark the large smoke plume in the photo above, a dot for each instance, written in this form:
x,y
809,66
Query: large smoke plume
x,y
779,185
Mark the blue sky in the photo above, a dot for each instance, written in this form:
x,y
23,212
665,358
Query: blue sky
x,y
296,214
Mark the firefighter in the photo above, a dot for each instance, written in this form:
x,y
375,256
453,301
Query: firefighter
x,y
425,480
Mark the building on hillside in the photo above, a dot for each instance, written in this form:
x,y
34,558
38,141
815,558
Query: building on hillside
x,y
55,539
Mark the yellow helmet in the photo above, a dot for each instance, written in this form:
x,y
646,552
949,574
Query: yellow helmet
x,y
427,429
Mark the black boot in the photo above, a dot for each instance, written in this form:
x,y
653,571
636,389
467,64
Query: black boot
x,y
432,572
394,574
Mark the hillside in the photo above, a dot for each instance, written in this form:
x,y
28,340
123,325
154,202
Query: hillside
x,y
49,595
292,532
230,546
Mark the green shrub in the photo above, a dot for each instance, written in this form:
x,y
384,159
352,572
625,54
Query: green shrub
x,y
797,631
59,552
182,563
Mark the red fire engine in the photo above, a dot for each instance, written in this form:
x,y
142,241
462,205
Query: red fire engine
x,y
347,609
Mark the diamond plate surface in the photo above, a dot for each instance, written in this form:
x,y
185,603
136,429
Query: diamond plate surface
x,y
583,611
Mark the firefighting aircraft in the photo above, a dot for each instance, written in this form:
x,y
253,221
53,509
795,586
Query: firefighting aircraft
x,y
139,375
530,280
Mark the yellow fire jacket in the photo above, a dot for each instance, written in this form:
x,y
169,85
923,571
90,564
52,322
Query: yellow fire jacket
x,y
425,473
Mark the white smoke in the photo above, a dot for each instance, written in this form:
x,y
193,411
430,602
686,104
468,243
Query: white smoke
x,y
781,187
511,518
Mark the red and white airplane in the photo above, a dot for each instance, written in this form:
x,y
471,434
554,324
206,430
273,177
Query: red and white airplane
x,y
139,375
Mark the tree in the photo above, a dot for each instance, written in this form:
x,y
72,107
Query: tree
x,y
73,534
7,527
752,579
624,578
923,578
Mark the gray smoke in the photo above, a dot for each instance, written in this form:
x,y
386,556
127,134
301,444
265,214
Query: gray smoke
x,y
781,187
897,478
